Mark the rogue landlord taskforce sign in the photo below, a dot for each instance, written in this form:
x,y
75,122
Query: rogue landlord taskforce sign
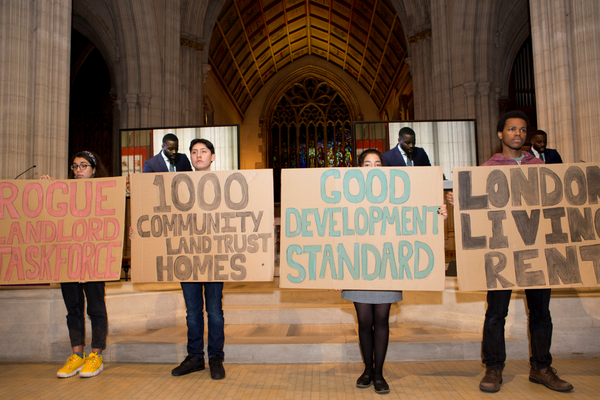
x,y
61,231
523,227
202,226
362,228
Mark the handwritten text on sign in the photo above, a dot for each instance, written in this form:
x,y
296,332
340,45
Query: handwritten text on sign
x,y
61,231
362,228
528,226
203,226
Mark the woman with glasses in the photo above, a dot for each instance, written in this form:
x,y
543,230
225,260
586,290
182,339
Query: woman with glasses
x,y
84,165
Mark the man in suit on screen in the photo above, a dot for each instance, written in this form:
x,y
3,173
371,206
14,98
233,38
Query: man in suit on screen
x,y
168,159
539,141
406,153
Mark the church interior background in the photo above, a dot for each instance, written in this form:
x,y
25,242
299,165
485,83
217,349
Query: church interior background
x,y
293,74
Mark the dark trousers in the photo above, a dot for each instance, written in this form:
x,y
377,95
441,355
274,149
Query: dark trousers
x,y
194,304
73,295
540,328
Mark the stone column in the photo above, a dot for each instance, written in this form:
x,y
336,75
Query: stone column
x,y
192,90
35,38
171,79
487,117
144,99
131,99
421,70
566,39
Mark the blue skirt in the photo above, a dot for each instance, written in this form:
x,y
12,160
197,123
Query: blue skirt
x,y
372,296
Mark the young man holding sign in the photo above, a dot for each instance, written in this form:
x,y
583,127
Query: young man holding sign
x,y
512,131
202,154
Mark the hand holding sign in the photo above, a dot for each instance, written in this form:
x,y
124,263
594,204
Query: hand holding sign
x,y
537,226
203,226
362,229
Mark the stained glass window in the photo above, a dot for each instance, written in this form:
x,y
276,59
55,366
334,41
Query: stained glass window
x,y
310,128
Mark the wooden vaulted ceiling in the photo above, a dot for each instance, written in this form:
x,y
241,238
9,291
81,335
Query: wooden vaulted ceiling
x,y
253,39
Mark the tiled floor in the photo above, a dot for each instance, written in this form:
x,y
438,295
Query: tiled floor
x,y
299,333
415,380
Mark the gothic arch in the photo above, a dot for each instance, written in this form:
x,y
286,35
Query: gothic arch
x,y
312,125
127,36
510,35
321,74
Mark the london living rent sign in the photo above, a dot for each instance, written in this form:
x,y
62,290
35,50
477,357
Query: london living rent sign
x,y
61,231
202,226
530,226
362,228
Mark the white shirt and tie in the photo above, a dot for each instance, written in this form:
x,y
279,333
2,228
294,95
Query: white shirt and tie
x,y
407,161
170,166
538,154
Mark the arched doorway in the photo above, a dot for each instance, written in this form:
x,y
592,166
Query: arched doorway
x,y
90,107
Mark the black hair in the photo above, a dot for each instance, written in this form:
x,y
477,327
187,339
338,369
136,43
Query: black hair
x,y
365,153
93,160
540,132
406,131
512,114
206,142
169,137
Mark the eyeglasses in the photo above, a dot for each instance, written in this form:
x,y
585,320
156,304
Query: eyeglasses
x,y
82,166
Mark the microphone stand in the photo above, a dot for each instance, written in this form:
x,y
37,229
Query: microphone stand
x,y
32,167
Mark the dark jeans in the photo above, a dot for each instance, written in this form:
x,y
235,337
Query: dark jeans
x,y
73,295
194,303
540,328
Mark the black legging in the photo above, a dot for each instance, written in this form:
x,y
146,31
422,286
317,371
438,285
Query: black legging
x,y
373,335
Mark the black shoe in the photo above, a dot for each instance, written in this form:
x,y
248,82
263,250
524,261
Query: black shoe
x,y
364,381
190,364
381,386
216,367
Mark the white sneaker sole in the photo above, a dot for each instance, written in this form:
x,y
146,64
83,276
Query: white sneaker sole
x,y
63,375
90,374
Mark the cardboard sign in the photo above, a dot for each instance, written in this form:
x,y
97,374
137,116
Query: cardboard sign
x,y
202,226
530,226
61,231
362,228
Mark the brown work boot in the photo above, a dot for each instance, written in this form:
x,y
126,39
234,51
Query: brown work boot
x,y
491,381
548,378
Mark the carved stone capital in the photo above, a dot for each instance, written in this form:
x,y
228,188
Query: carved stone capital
x,y
192,41
419,36
484,88
192,37
470,88
205,69
144,99
132,99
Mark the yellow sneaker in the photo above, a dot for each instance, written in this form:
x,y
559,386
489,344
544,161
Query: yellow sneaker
x,y
93,366
72,366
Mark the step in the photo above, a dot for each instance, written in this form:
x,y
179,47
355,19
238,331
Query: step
x,y
299,343
154,306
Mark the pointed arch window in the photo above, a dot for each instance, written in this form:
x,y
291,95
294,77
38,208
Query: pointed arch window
x,y
310,128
